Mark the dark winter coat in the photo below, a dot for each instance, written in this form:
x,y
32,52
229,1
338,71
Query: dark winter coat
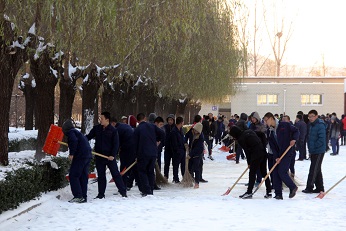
x,y
317,137
242,125
206,129
252,145
176,141
167,131
146,136
126,140
220,128
78,145
334,130
106,139
302,127
196,146
286,132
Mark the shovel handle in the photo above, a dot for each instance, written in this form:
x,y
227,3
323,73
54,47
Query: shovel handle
x,y
272,169
95,153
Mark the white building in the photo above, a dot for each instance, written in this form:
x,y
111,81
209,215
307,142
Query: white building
x,y
283,95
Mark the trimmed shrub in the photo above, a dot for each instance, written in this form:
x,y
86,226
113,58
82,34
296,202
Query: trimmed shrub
x,y
25,184
18,145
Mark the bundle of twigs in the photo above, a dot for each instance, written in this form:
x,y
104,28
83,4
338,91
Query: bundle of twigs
x,y
187,178
159,178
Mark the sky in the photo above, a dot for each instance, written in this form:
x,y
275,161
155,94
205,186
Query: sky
x,y
187,209
318,31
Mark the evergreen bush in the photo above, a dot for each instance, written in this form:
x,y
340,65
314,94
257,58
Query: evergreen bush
x,y
25,184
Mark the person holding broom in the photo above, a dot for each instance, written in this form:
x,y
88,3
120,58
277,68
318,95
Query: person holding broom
x,y
196,148
255,157
80,156
107,143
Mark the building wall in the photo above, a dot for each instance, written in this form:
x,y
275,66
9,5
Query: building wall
x,y
289,90
289,101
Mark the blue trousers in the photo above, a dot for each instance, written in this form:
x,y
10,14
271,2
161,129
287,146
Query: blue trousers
x,y
101,164
78,174
194,168
146,166
178,159
280,174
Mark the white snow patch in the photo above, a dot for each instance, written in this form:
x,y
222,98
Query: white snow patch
x,y
89,120
139,81
32,29
33,83
85,80
54,72
26,76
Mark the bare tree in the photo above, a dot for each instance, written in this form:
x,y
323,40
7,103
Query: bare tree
x,y
279,35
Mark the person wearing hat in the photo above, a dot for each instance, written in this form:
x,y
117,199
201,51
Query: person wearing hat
x,y
124,119
255,157
80,156
196,148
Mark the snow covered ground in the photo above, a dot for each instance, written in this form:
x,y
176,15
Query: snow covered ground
x,y
178,208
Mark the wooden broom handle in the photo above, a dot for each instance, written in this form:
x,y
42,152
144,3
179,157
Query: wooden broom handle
x,y
95,153
239,178
126,170
272,169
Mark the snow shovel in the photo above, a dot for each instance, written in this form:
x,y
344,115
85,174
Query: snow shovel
x,y
272,169
54,139
322,194
230,188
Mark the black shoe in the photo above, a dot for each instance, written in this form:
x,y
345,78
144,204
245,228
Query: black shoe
x,y
210,157
299,159
77,200
293,192
268,195
307,191
237,162
203,181
317,191
246,196
99,197
176,181
123,194
156,187
278,197
128,189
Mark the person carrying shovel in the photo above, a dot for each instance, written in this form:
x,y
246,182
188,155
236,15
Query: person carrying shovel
x,y
80,156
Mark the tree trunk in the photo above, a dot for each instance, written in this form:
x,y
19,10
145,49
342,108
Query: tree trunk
x,y
29,94
67,95
181,107
10,62
90,87
146,99
45,88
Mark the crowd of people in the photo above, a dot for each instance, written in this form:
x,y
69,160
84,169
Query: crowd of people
x,y
267,142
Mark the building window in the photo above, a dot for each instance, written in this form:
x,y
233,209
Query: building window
x,y
267,99
311,99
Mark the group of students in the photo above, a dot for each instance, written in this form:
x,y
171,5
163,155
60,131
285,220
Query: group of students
x,y
264,141
142,143
272,141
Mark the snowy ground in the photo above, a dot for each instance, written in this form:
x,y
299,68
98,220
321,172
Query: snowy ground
x,y
178,208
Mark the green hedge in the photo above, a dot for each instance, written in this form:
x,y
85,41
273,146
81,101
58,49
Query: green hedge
x,y
25,184
22,144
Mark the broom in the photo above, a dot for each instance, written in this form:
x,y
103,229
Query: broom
x,y
159,178
187,178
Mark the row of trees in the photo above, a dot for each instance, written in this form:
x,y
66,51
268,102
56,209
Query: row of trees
x,y
139,55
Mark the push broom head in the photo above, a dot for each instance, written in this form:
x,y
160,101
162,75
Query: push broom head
x,y
55,134
321,195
